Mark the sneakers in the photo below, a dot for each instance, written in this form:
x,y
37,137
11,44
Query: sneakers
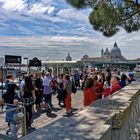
x,y
68,114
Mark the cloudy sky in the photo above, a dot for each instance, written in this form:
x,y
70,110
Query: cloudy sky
x,y
49,29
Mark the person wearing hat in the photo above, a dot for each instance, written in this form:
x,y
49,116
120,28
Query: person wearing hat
x,y
47,90
131,77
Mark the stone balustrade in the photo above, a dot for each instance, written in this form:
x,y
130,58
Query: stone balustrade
x,y
114,118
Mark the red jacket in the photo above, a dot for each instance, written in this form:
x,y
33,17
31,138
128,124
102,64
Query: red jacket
x,y
114,88
106,92
98,87
89,96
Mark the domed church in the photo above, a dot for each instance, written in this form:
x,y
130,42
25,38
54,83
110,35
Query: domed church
x,y
114,55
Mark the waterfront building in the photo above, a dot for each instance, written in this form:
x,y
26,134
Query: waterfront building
x,y
60,66
112,59
114,55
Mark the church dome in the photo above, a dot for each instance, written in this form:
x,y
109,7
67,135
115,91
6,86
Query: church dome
x,y
106,52
68,58
115,51
85,56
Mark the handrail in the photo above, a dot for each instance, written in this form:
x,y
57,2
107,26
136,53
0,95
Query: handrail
x,y
23,120
12,109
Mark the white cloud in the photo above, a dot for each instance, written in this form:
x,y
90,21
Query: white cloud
x,y
42,13
72,14
46,40
39,8
78,46
14,5
22,6
51,10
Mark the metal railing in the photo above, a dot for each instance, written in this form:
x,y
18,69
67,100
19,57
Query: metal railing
x,y
18,110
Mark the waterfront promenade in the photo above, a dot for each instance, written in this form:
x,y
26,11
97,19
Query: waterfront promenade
x,y
40,119
48,127
113,118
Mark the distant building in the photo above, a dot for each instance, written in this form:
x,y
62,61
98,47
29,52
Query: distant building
x,y
114,55
111,59
68,58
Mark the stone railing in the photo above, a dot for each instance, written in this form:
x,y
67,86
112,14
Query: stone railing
x,y
114,118
123,114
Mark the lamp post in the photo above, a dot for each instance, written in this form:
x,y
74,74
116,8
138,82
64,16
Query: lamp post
x,y
26,58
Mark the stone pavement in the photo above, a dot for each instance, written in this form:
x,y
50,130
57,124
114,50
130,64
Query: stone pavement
x,y
40,119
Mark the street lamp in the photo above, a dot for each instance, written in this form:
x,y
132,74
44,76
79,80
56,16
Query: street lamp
x,y
26,58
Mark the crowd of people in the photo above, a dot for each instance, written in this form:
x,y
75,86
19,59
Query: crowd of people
x,y
35,90
102,84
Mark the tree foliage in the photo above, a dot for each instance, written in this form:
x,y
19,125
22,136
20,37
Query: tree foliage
x,y
108,16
